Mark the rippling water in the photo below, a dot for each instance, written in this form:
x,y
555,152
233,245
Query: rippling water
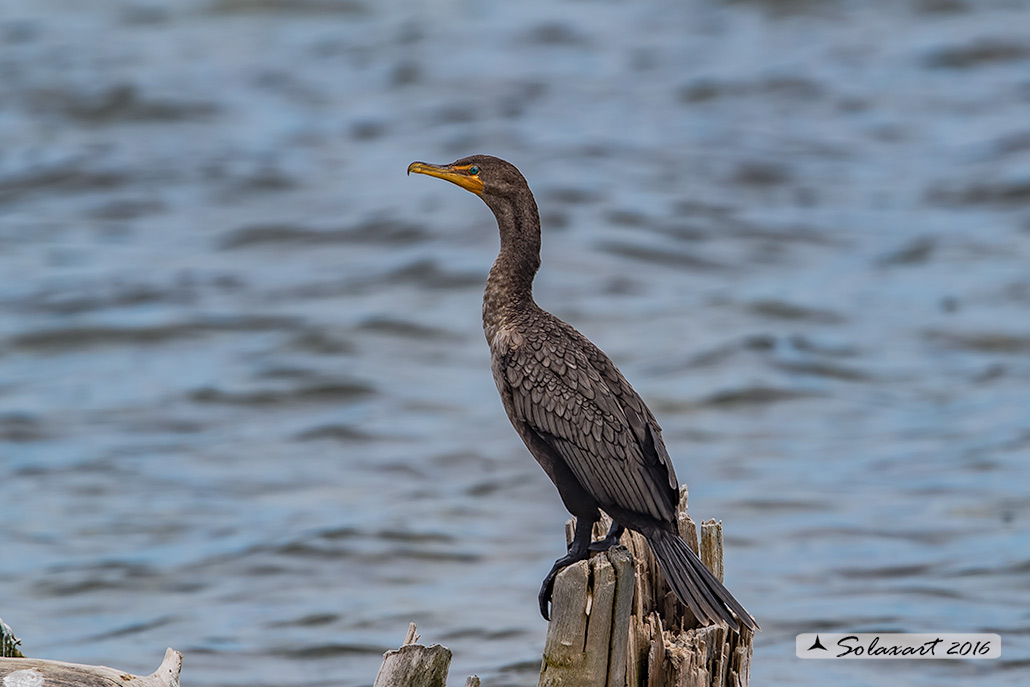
x,y
245,405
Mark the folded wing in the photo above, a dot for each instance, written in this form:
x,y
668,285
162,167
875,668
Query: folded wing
x,y
574,398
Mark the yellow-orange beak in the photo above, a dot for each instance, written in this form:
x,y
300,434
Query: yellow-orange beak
x,y
455,175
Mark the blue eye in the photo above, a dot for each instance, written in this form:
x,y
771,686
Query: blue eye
x,y
473,170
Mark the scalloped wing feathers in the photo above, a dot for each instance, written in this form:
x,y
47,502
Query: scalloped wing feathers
x,y
569,393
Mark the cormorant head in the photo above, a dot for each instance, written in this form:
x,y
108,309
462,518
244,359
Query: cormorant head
x,y
490,178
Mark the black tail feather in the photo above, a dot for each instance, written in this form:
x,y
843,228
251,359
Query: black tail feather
x,y
695,585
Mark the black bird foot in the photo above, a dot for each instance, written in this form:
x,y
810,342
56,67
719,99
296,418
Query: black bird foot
x,y
547,588
579,550
610,540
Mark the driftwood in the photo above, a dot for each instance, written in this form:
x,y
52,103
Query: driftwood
x,y
34,672
18,671
593,641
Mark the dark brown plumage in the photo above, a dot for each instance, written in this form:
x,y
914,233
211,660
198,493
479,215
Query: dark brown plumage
x,y
582,421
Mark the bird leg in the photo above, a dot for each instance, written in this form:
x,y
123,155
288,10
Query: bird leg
x,y
611,539
579,550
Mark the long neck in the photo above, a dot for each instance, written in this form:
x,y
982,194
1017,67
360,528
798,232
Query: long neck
x,y
509,288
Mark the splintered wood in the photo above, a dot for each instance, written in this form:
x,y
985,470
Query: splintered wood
x,y
616,624
8,642
414,665
589,630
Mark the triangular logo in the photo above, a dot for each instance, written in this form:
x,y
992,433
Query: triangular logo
x,y
817,645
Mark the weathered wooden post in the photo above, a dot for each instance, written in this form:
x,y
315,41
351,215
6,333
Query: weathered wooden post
x,y
588,636
414,665
593,642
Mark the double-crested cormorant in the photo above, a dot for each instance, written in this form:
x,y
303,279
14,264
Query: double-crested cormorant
x,y
577,414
